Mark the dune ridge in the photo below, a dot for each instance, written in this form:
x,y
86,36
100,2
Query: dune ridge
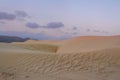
x,y
39,47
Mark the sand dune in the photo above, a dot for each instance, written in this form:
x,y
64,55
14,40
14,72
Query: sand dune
x,y
42,45
39,47
86,44
81,58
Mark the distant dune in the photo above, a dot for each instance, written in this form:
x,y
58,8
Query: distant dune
x,y
79,58
9,39
89,43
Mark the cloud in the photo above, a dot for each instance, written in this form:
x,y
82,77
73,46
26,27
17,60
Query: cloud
x,y
74,28
96,30
52,25
21,14
32,25
74,33
99,31
7,16
88,30
1,22
104,31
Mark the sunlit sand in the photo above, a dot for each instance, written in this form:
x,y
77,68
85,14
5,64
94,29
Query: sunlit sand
x,y
79,58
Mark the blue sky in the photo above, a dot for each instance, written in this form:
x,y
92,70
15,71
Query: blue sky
x,y
58,19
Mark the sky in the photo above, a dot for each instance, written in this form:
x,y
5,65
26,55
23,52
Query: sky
x,y
59,19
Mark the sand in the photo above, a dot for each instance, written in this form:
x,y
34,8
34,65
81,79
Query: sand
x,y
80,58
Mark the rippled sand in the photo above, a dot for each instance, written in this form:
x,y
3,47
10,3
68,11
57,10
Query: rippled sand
x,y
81,58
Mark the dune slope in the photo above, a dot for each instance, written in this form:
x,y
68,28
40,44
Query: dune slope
x,y
86,44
